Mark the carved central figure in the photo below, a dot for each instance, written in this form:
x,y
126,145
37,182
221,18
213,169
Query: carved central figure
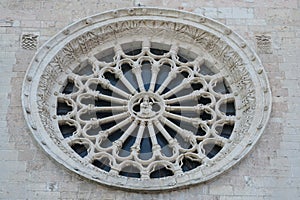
x,y
146,106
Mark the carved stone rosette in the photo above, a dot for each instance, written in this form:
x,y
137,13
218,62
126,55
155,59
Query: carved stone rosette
x,y
146,98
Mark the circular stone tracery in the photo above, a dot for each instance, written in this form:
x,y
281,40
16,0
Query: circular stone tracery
x,y
178,106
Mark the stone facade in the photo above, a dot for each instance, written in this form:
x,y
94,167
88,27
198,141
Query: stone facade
x,y
270,171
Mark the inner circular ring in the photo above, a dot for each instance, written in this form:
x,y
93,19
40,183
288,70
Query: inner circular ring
x,y
146,106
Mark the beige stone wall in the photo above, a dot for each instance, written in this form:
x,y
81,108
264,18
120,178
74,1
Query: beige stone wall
x,y
270,171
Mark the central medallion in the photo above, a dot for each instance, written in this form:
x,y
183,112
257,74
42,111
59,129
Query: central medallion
x,y
146,106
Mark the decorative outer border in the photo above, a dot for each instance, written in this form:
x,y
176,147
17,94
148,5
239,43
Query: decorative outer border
x,y
250,62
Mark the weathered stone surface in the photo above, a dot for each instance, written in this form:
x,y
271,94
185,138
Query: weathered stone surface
x,y
271,170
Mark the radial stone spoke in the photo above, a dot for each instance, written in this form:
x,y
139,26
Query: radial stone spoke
x,y
106,84
119,125
152,134
119,91
112,108
127,84
172,74
154,69
137,70
193,95
182,108
113,118
128,132
163,131
184,133
178,117
112,99
176,89
139,136
119,74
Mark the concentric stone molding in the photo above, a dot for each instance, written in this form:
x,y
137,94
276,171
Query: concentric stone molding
x,y
123,63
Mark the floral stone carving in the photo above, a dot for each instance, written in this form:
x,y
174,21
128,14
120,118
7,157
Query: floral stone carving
x,y
146,98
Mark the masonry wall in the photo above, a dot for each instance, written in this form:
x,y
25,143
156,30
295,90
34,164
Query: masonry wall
x,y
270,171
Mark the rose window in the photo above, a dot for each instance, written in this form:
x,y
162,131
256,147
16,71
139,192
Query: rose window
x,y
164,112
146,99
